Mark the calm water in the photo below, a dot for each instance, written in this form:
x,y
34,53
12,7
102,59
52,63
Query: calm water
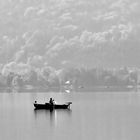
x,y
93,116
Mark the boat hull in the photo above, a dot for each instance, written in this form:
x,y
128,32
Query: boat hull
x,y
51,107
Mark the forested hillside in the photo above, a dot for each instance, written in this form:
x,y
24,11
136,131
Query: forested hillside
x,y
63,33
47,42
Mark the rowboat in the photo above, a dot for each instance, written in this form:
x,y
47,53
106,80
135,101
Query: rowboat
x,y
52,106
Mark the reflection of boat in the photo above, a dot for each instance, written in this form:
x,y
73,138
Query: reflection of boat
x,y
51,107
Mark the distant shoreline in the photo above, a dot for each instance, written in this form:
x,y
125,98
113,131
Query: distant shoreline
x,y
63,89
107,89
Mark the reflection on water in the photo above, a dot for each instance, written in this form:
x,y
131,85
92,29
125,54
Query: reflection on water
x,y
99,116
51,115
46,115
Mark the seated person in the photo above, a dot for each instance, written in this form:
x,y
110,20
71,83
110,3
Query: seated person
x,y
51,101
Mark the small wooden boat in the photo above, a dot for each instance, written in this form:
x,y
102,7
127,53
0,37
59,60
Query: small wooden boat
x,y
51,107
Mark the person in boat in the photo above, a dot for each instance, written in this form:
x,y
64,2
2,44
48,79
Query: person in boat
x,y
51,101
35,102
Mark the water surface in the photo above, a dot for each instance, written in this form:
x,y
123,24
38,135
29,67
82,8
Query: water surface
x,y
98,116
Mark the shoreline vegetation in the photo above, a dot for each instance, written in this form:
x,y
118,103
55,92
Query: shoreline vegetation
x,y
69,45
48,79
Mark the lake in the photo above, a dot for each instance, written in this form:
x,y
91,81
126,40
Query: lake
x,y
93,116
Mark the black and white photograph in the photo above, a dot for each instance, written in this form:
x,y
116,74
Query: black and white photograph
x,y
69,70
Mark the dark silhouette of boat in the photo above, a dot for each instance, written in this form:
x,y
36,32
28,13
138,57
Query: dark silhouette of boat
x,y
52,106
